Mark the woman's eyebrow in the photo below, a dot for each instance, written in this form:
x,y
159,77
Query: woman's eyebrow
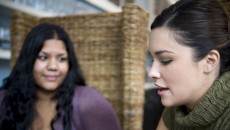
x,y
162,51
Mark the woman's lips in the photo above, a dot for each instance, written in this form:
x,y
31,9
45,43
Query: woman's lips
x,y
158,86
161,90
51,77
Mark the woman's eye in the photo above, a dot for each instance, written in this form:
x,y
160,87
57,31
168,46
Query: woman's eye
x,y
62,59
166,62
42,58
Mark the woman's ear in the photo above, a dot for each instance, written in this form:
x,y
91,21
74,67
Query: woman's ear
x,y
212,61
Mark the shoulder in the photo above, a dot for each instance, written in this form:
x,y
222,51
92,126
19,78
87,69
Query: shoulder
x,y
84,89
92,111
85,93
88,97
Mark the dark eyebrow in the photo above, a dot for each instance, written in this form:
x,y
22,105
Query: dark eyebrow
x,y
162,51
62,54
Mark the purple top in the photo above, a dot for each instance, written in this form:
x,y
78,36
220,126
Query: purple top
x,y
91,111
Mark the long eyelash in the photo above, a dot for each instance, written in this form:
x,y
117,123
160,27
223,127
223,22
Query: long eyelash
x,y
166,62
63,58
42,57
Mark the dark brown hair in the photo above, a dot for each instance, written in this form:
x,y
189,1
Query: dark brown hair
x,y
199,24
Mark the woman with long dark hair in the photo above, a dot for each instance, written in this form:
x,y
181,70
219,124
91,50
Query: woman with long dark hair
x,y
190,49
46,89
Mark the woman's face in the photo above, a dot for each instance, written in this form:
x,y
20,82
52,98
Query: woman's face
x,y
179,77
51,65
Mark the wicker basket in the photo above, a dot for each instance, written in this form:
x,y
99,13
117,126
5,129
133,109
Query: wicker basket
x,y
111,50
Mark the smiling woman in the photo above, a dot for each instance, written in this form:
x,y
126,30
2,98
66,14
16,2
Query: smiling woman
x,y
190,45
46,89
51,66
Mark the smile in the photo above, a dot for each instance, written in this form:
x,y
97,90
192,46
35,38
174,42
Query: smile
x,y
51,78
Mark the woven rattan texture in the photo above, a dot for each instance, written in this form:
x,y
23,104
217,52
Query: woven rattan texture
x,y
111,50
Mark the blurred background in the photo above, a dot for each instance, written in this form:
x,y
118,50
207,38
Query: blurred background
x,y
51,8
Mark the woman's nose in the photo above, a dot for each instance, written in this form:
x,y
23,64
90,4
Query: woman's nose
x,y
52,64
154,72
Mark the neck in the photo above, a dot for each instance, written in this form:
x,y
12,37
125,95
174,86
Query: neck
x,y
209,80
215,98
45,96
